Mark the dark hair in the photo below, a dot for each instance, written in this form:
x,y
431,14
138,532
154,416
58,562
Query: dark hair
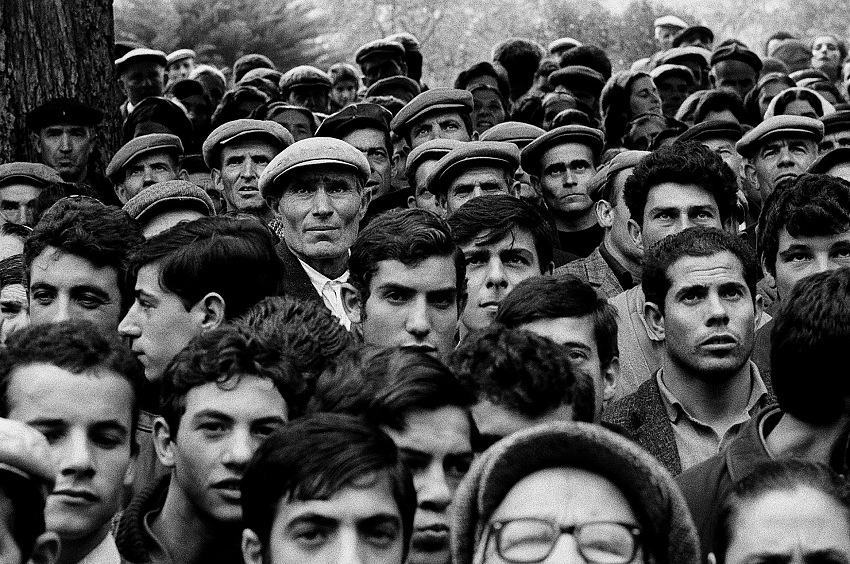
x,y
751,100
409,236
223,356
614,104
103,235
488,219
52,193
156,114
228,108
589,56
682,162
26,519
550,297
776,476
231,257
809,340
810,205
791,94
486,68
780,35
719,100
11,269
77,346
520,59
523,372
692,242
315,457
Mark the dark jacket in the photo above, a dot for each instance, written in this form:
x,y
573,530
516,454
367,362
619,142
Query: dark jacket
x,y
296,283
595,271
132,539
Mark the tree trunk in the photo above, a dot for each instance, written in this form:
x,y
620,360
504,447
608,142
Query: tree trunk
x,y
51,48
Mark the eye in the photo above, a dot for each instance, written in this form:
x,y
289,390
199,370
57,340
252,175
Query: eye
x,y
108,439
212,428
575,354
395,297
458,468
89,301
310,536
690,298
382,535
43,297
732,294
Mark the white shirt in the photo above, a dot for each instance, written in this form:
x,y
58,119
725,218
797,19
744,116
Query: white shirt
x,y
329,290
104,553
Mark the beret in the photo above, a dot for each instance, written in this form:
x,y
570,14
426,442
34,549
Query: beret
x,y
140,54
692,31
312,152
516,132
36,173
432,150
402,87
564,43
139,146
713,129
826,161
63,111
484,153
835,122
670,21
185,87
661,70
304,75
354,116
675,54
272,131
790,125
736,52
169,195
431,100
179,55
534,151
574,75
382,46
621,161
407,40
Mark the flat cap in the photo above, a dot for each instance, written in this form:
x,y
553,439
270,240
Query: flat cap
x,y
31,173
662,70
380,46
563,44
474,153
169,195
354,116
407,40
343,71
429,101
621,161
713,129
577,75
63,111
692,32
534,151
835,122
304,75
670,21
516,132
402,87
271,131
677,54
432,150
823,164
139,146
179,55
262,72
185,87
782,125
250,61
140,54
736,52
312,152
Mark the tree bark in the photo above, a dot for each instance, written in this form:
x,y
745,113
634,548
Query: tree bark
x,y
52,48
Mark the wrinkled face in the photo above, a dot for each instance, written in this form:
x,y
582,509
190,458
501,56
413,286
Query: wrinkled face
x,y
737,76
380,65
242,162
643,97
63,286
801,108
673,89
87,420
314,98
145,170
373,144
413,306
343,92
709,316
487,109
441,124
297,123
66,149
833,141
180,69
17,203
825,53
798,257
436,447
672,208
142,79
778,159
474,182
565,172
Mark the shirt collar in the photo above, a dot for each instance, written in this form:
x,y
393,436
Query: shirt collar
x,y
317,278
104,553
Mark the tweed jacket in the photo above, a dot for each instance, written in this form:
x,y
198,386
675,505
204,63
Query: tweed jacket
x,y
595,271
296,283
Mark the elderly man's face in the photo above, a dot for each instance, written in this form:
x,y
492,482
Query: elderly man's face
x,y
566,170
781,158
474,182
146,170
142,79
66,149
373,144
242,162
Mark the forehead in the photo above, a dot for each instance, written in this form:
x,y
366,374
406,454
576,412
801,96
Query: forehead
x,y
784,140
370,497
817,242
59,268
713,270
563,330
516,238
366,137
291,116
248,397
565,153
19,190
715,143
151,157
250,144
731,67
485,94
434,273
321,174
480,173
825,40
674,194
642,83
142,67
436,116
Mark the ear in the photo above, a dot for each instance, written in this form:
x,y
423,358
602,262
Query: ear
x,y
215,177
611,377
636,234
123,87
272,201
513,190
351,302
252,548
394,160
45,550
365,200
759,309
411,202
654,319
121,192
604,214
209,311
163,443
183,175
750,175
711,558
550,269
35,140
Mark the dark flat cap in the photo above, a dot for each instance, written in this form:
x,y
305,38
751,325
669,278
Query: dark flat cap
x,y
677,54
179,55
497,154
532,153
429,101
783,125
402,87
271,75
139,146
691,33
312,152
169,195
343,71
835,122
29,173
304,75
577,75
250,61
137,55
823,164
271,131
185,87
355,116
736,52
380,46
63,111
432,150
713,129
564,44
516,132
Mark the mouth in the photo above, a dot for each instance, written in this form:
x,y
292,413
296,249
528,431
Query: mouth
x,y
434,537
250,189
785,176
420,347
229,488
321,228
75,496
720,342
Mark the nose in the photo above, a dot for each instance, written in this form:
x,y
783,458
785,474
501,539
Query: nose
x,y
496,274
785,157
418,322
349,548
249,168
147,178
65,143
128,326
565,551
432,489
28,214
75,454
477,191
240,448
569,178
322,203
61,309
717,314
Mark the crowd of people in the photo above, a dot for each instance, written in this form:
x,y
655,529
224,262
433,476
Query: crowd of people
x,y
551,314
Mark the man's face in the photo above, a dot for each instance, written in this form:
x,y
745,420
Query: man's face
x,y
710,317
219,432
142,79
17,203
737,76
343,92
725,149
314,98
63,286
87,419
180,69
492,271
673,90
66,149
665,35
356,524
426,199
13,310
671,208
242,162
833,141
373,144
487,109
321,210
145,170
297,123
413,305
436,446
565,171
618,218
798,257
378,66
473,182
440,124
778,159
158,323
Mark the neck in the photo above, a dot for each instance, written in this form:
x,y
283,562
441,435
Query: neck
x,y
714,400
575,222
625,261
793,438
74,550
330,267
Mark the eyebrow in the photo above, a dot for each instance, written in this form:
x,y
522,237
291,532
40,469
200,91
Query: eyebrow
x,y
54,422
795,248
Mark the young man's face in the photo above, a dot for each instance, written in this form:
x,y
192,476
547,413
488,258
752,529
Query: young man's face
x,y
142,79
63,286
440,124
378,66
66,149
436,446
798,257
17,203
296,122
343,92
87,420
672,207
242,162
218,434
359,523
